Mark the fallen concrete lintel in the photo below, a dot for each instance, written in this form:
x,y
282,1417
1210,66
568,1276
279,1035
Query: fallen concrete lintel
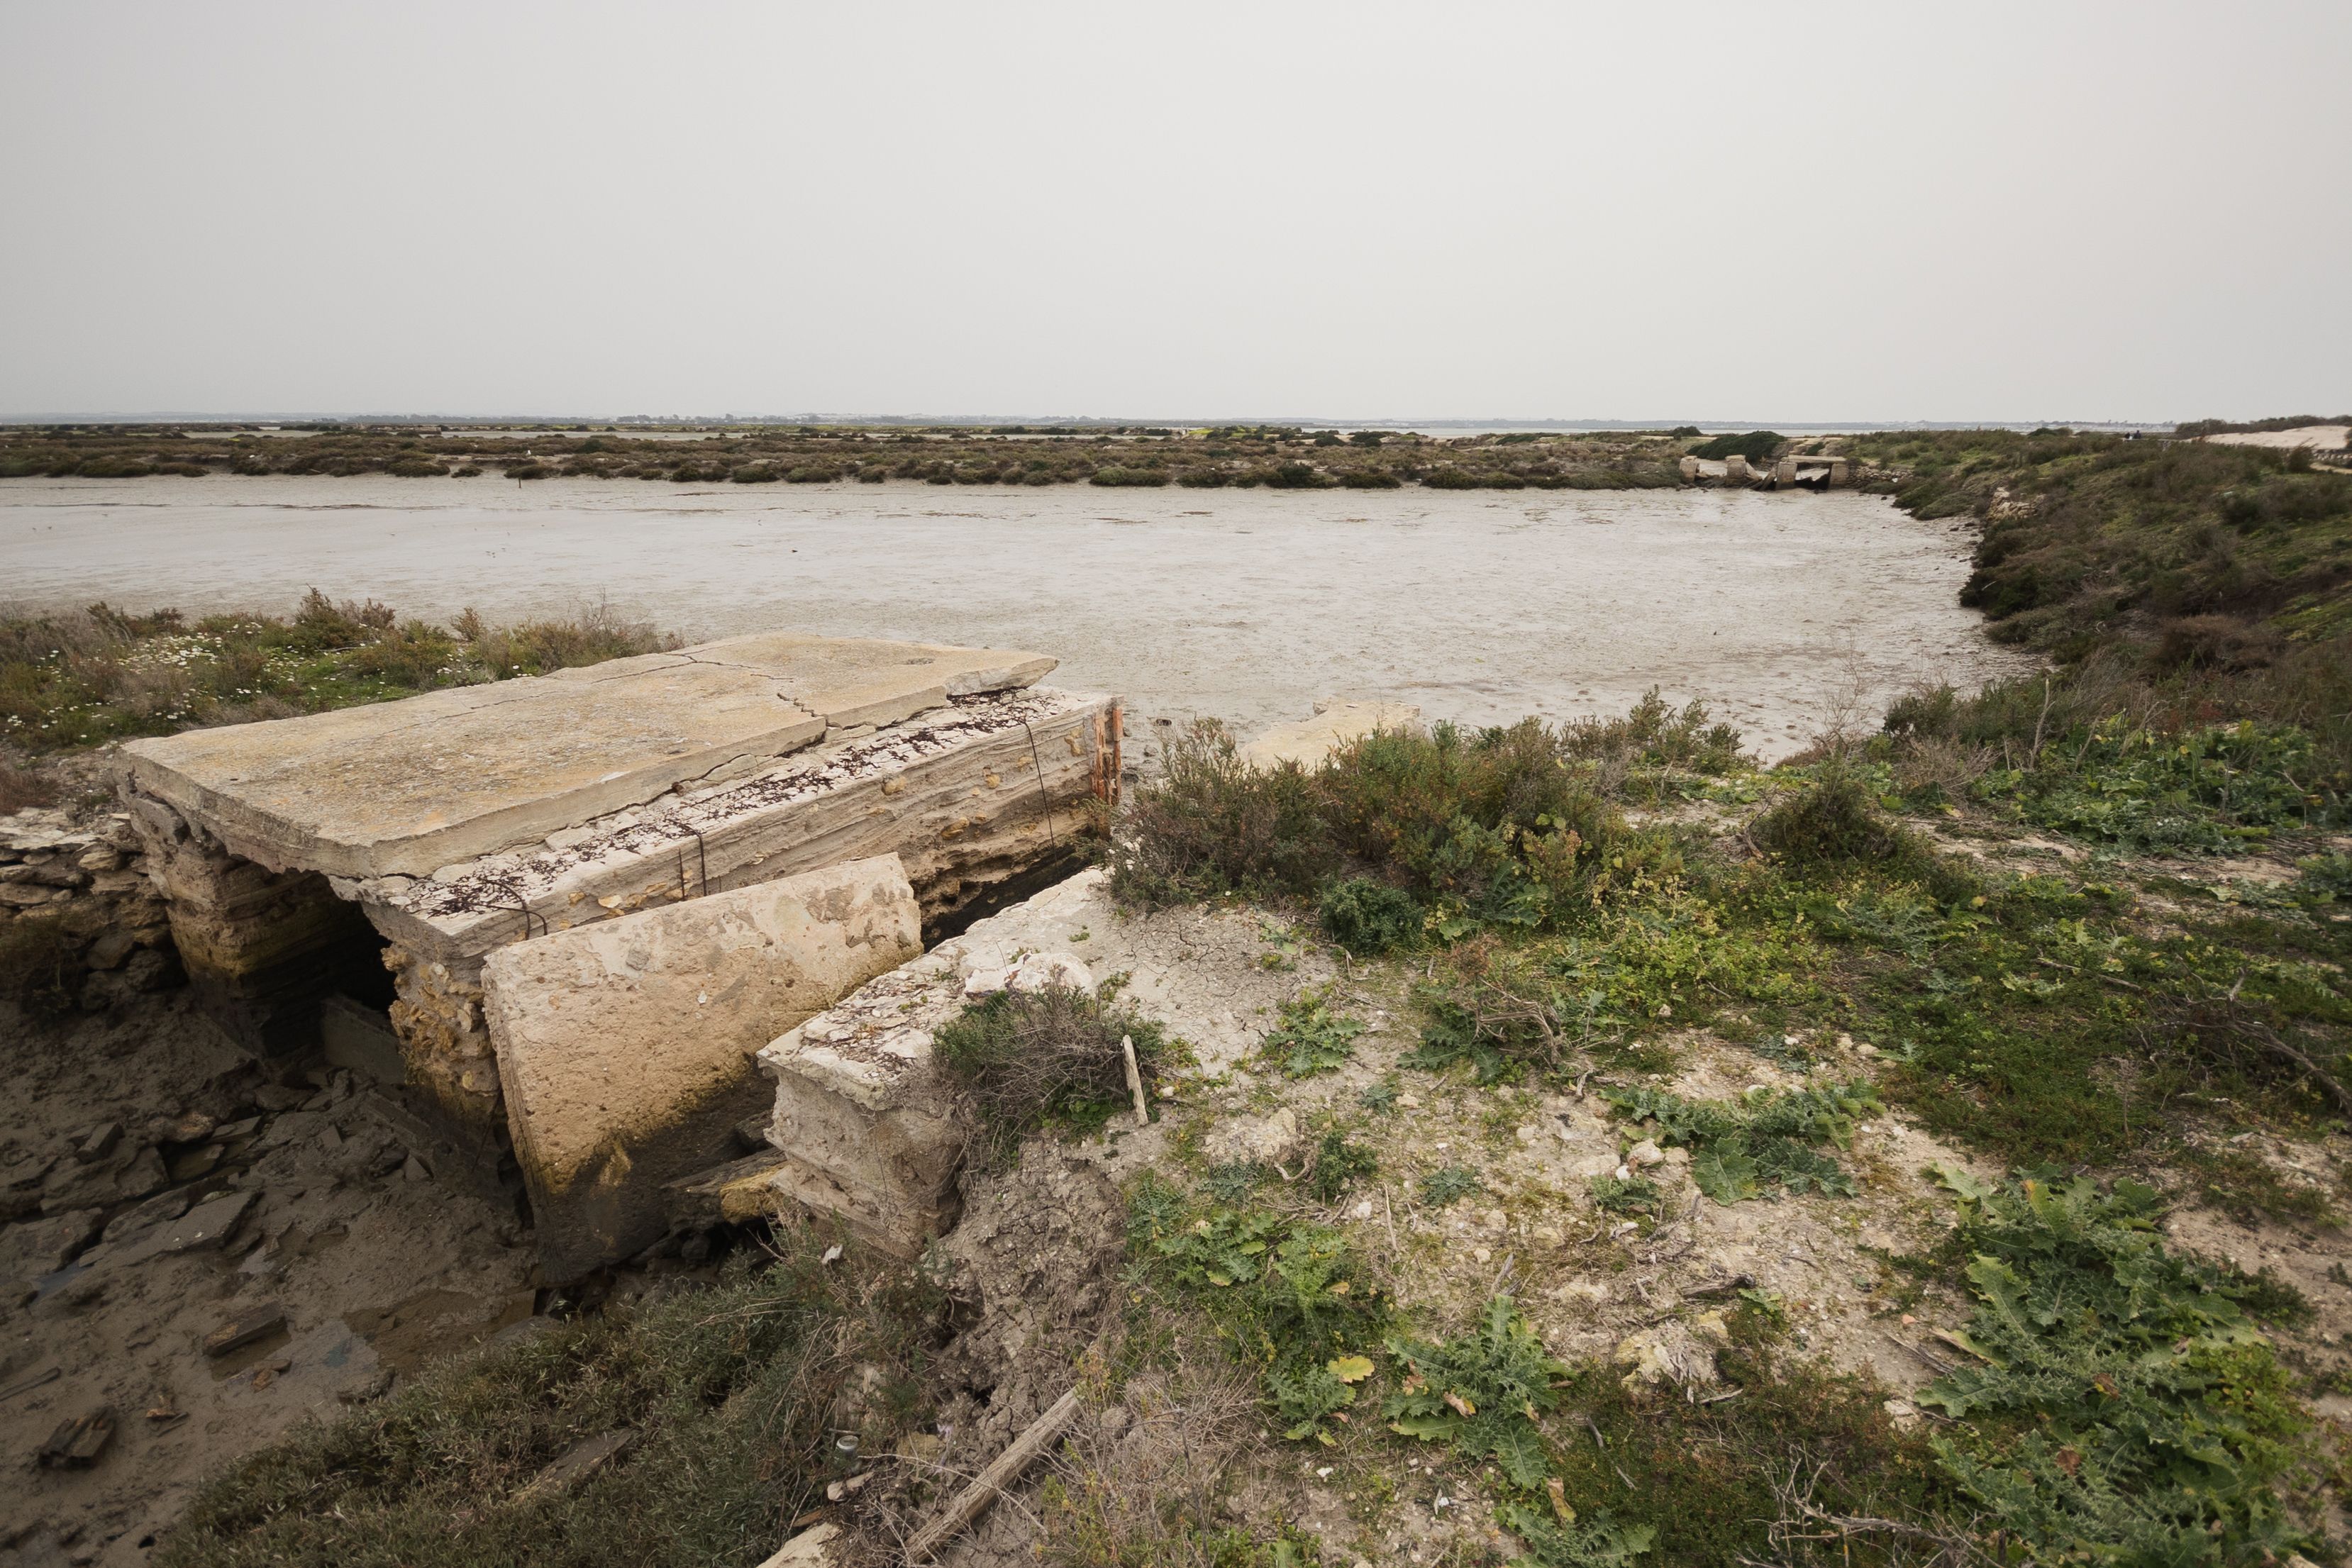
x,y
624,1048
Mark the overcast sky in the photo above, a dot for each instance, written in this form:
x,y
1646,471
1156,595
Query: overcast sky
x,y
1874,212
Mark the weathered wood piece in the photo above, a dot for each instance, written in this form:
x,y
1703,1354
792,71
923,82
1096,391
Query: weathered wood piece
x,y
576,1465
248,1327
1001,1472
77,1444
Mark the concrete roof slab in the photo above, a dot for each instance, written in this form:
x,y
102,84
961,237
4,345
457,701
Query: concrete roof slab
x,y
409,787
854,680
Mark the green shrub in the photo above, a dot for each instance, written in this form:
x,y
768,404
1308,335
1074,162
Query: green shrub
x,y
1756,446
1832,819
1338,1164
1480,1394
1293,1299
1369,917
1212,824
1115,477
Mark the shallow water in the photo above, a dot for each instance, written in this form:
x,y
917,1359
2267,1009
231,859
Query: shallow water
x,y
1480,606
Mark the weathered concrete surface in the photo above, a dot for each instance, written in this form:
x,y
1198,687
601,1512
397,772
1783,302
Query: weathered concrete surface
x,y
1336,722
412,786
851,681
624,1048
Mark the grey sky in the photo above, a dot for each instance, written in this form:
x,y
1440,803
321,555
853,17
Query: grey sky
x,y
1802,213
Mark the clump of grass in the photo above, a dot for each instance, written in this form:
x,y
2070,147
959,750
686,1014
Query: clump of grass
x,y
85,677
730,1390
1339,1164
1767,1139
2120,1404
1031,1059
22,787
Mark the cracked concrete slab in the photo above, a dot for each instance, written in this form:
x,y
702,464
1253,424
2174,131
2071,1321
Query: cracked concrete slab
x,y
407,788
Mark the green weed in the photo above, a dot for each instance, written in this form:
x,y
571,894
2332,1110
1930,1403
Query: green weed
x,y
2121,1404
1766,1139
1311,1038
1481,1395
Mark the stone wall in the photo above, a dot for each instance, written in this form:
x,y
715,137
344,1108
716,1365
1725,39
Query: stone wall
x,y
87,882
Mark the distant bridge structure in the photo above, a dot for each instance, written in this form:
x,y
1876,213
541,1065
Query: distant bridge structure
x,y
1811,473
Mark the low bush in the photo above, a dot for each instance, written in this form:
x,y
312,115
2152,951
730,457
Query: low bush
x,y
1756,446
1832,819
1031,1059
1369,917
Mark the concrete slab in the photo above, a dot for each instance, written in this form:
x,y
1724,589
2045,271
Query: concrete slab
x,y
854,681
448,776
624,1048
410,787
1336,723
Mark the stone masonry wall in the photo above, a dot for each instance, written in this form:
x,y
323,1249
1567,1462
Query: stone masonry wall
x,y
86,882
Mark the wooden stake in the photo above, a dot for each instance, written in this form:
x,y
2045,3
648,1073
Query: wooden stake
x,y
1005,1468
1134,1080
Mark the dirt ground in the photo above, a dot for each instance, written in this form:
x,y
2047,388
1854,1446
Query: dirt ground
x,y
225,1189
379,1261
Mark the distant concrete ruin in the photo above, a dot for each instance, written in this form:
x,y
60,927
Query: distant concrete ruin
x,y
1810,472
301,859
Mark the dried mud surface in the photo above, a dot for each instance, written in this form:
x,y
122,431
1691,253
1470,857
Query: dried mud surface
x,y
1250,605
378,1261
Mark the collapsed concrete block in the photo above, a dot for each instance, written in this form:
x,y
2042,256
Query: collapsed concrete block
x,y
624,1048
866,1125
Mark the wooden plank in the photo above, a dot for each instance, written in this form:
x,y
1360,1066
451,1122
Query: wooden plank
x,y
1005,1469
248,1327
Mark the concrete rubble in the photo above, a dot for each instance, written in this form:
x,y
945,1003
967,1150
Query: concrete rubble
x,y
298,859
624,1048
